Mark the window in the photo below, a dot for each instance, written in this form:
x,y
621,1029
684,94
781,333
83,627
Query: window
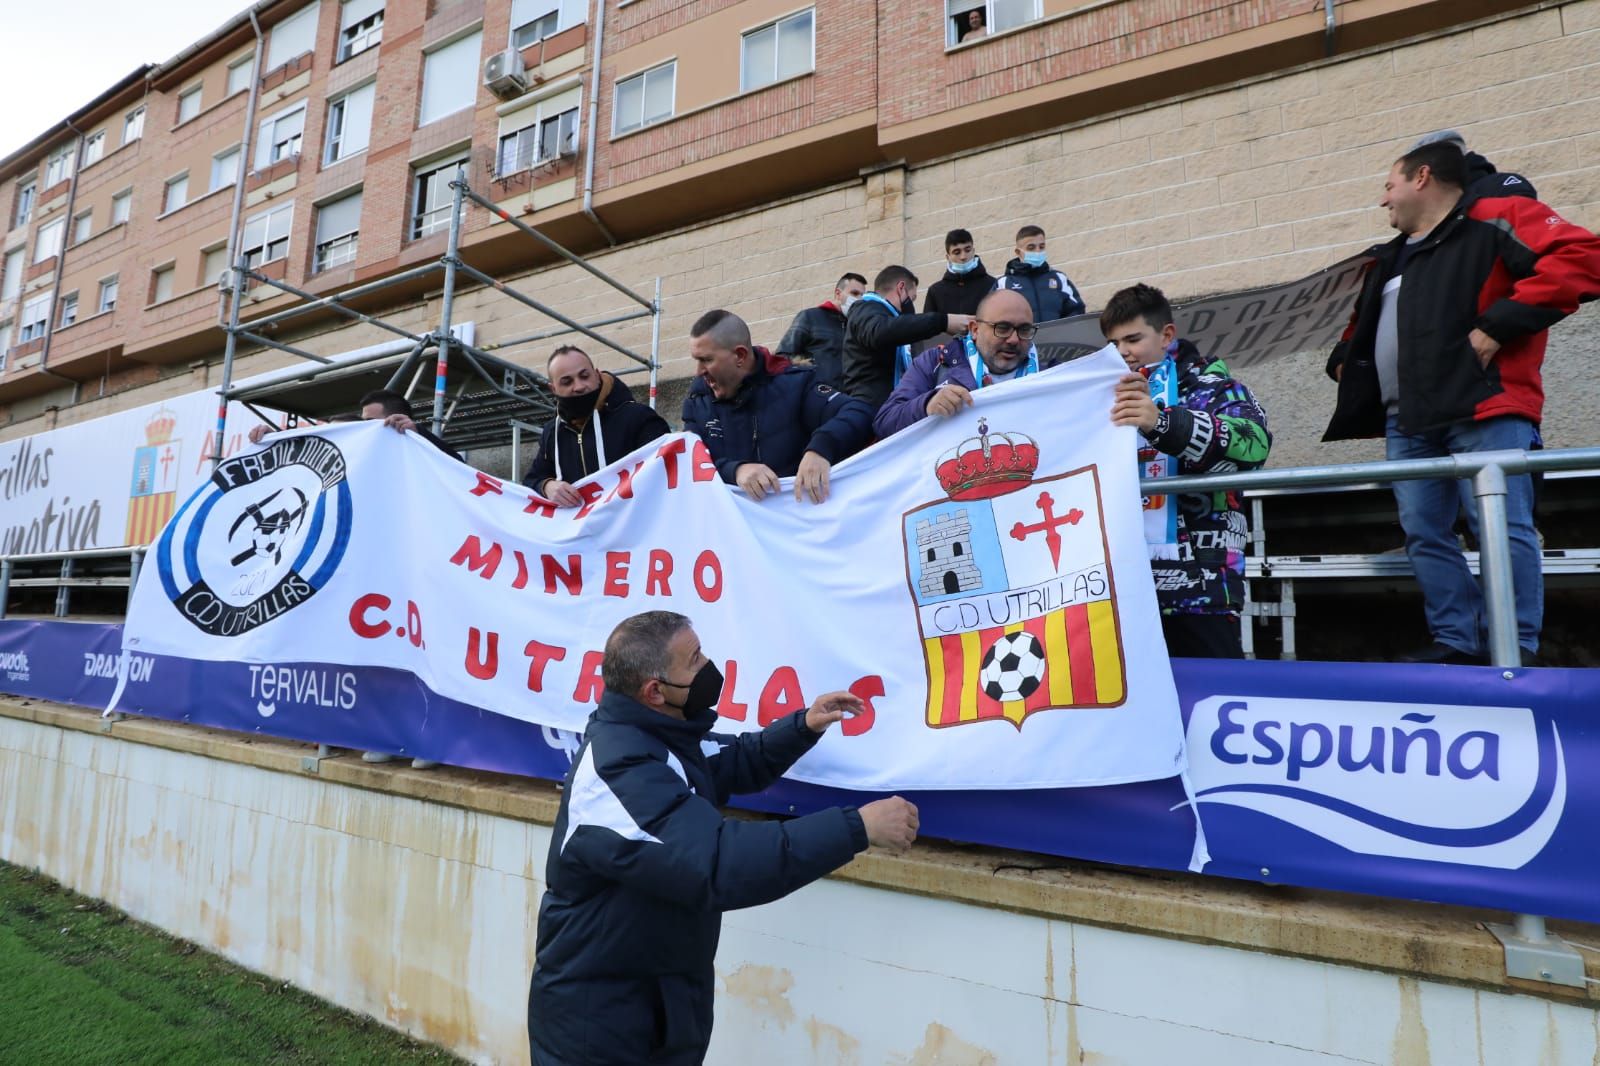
x,y
58,167
24,204
360,26
133,126
539,142
188,104
108,295
338,224
280,137
94,147
176,195
69,309
12,281
161,284
239,74
121,207
82,227
781,50
349,123
434,197
35,316
534,20
292,37
225,168
48,241
266,236
5,342
450,78
213,261
967,20
645,98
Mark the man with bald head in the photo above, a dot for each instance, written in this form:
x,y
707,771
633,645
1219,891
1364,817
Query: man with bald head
x,y
941,381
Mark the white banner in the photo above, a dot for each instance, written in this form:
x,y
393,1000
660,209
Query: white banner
x,y
981,582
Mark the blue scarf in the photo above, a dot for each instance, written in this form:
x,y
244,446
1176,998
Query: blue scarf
x,y
980,371
902,354
1161,512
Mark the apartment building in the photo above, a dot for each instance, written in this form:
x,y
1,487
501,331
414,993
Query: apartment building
x,y
746,152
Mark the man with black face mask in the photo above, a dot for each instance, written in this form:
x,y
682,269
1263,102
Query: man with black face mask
x,y
880,330
642,863
597,421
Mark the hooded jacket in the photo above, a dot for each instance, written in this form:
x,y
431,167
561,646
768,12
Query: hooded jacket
x,y
1047,290
959,294
641,866
572,451
816,337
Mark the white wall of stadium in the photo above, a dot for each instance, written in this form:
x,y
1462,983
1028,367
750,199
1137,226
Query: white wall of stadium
x,y
421,914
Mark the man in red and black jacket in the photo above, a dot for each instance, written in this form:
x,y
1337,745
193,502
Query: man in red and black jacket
x,y
1443,356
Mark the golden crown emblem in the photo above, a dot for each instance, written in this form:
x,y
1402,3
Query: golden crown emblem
x,y
159,429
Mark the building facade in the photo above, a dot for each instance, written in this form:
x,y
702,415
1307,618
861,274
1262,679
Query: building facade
x,y
749,152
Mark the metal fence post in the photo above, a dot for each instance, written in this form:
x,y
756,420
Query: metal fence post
x,y
5,585
135,560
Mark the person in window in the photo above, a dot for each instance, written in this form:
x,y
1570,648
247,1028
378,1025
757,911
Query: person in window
x,y
974,24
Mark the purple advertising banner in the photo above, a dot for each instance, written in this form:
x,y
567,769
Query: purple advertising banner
x,y
1452,784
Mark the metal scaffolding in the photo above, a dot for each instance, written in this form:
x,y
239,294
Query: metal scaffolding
x,y
479,398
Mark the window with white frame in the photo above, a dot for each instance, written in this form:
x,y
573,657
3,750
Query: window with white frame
x,y
225,168
968,20
11,282
58,167
239,74
350,123
360,27
133,126
161,284
188,104
292,37
35,317
266,236
779,50
645,98
534,20
94,146
432,196
108,295
82,226
450,78
5,341
338,227
280,136
176,194
69,309
121,207
47,242
25,197
545,138
213,261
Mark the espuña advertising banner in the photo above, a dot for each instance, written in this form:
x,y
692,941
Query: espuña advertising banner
x,y
981,582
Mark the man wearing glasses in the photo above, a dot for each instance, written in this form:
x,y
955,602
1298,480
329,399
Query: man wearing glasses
x,y
941,381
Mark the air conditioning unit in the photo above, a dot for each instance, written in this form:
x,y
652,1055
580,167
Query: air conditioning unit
x,y
504,74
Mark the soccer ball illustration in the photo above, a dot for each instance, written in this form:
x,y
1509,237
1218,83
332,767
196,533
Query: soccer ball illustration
x,y
1013,667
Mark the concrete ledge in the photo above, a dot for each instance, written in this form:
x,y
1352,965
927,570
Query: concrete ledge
x,y
1417,940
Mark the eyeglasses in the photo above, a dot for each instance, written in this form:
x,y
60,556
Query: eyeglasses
x,y
1024,330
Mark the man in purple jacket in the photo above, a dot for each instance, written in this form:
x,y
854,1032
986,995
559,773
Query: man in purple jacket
x,y
940,382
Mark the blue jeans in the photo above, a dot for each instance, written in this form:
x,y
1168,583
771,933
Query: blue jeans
x,y
1450,595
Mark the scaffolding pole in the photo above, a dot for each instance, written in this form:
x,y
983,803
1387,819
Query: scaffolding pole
x,y
528,301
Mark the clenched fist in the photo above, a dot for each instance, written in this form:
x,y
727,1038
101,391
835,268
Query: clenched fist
x,y
891,823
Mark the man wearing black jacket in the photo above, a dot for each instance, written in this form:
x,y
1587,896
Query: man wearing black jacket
x,y
965,282
879,333
642,862
597,421
816,336
1482,179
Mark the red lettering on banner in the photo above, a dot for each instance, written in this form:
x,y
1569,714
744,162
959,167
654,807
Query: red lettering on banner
x,y
572,576
540,506
659,573
710,591
472,555
372,601
591,494
522,570
589,688
481,665
414,625
781,696
865,689
727,706
624,489
487,484
539,656
616,574
705,468
668,454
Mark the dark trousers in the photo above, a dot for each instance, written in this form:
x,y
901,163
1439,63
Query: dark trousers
x,y
1202,636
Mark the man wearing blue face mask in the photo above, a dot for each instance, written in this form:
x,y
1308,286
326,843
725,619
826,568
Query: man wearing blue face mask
x,y
965,282
879,333
1048,291
642,862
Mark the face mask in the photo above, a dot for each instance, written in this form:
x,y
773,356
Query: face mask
x,y
577,408
964,268
847,302
908,306
703,692
1033,259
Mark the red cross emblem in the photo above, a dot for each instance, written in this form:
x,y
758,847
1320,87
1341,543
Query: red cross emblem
x,y
1048,526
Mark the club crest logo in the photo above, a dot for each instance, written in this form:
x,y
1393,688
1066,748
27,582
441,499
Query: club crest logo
x,y
259,538
1011,576
153,487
